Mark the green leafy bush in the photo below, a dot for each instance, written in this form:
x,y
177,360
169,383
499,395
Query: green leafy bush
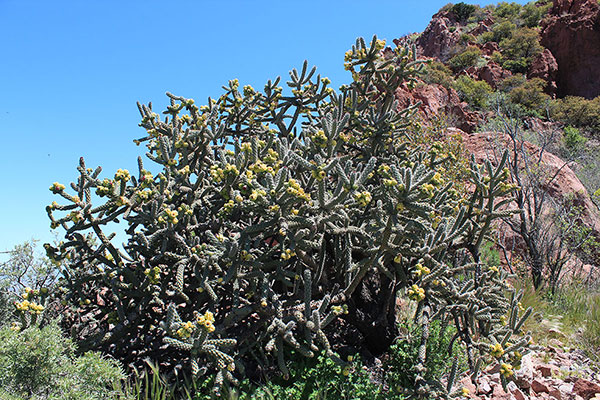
x,y
466,38
528,93
462,11
499,31
573,141
577,112
519,50
472,91
6,308
505,10
403,356
318,378
40,364
532,13
465,59
23,276
438,73
283,221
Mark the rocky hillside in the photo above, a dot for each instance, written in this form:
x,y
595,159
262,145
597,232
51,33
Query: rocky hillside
x,y
544,56
536,65
557,42
526,79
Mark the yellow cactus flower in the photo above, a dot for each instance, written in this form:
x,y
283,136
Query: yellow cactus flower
x,y
506,370
416,293
496,350
57,187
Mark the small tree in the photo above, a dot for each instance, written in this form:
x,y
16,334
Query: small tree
x,y
25,278
465,59
550,230
463,11
519,49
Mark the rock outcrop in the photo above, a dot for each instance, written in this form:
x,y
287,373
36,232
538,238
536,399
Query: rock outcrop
x,y
487,145
492,73
435,100
545,67
571,32
438,39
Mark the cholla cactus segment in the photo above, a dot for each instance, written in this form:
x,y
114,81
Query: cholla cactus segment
x,y
284,213
31,309
194,337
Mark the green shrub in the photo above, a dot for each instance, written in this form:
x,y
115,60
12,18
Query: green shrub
x,y
490,255
592,330
472,91
465,59
26,268
527,92
466,38
532,13
22,277
478,15
485,37
502,30
6,308
573,140
283,221
519,50
403,356
577,112
505,10
318,378
438,73
462,11
40,364
579,304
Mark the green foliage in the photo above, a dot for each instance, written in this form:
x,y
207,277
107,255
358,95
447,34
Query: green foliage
x,y
532,13
438,73
40,364
465,59
592,332
502,30
6,308
149,383
24,277
317,379
505,10
466,38
579,304
577,112
485,37
276,216
528,93
490,255
478,15
573,141
519,50
403,356
462,11
472,91
25,268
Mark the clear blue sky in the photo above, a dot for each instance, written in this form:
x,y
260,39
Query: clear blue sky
x,y
72,71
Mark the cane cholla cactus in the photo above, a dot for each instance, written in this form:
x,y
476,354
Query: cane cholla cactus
x,y
283,215
31,307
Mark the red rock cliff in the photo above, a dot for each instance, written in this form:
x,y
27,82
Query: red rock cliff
x,y
572,33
